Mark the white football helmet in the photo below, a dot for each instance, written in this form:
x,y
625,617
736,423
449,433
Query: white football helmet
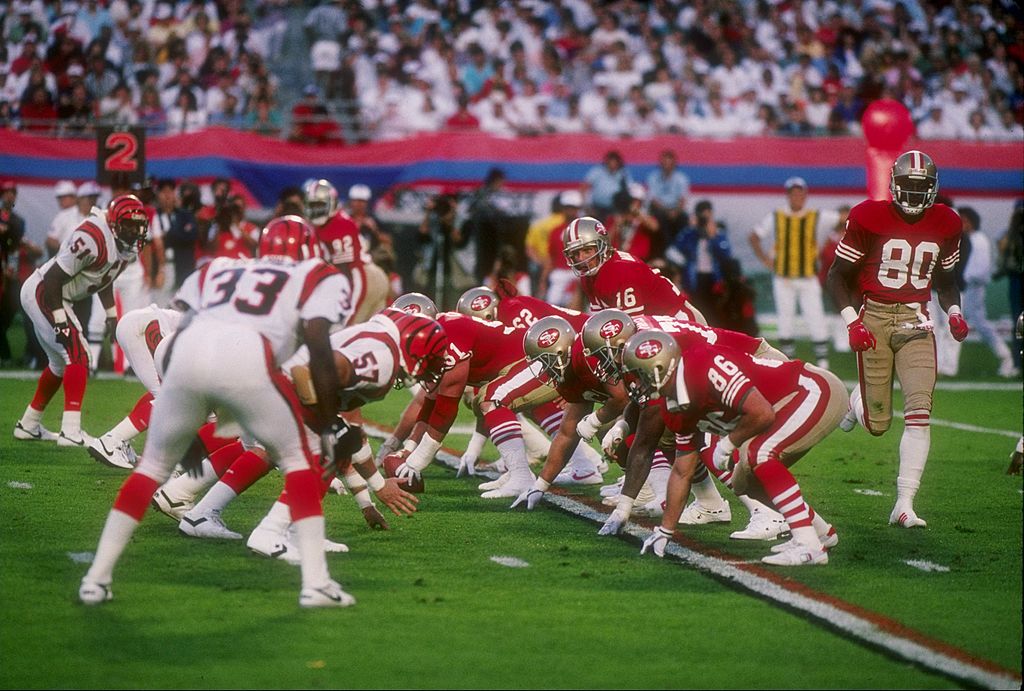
x,y
321,199
548,341
649,359
586,233
480,302
603,336
914,182
416,303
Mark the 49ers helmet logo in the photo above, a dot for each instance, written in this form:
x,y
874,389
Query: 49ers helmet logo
x,y
480,302
548,338
648,349
611,328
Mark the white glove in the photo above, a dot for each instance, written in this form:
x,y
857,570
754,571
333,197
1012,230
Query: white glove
x,y
588,426
657,541
722,457
419,459
406,473
337,486
467,463
533,495
390,445
614,437
620,515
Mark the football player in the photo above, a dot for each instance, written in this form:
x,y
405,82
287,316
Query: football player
x,y
343,244
616,279
770,412
245,315
87,262
891,256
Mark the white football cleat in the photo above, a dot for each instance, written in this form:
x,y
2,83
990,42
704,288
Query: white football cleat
x,y
37,433
652,509
763,525
109,450
170,505
698,514
267,543
72,439
495,484
206,526
801,555
90,593
828,541
906,518
511,488
849,421
614,489
572,476
330,595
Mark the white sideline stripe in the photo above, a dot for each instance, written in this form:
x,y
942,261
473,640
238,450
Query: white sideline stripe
x,y
14,484
81,557
958,385
968,428
928,566
511,562
853,625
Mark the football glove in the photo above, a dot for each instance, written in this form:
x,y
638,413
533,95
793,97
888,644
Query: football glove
x,y
533,495
613,525
657,542
588,426
861,338
338,440
958,326
722,457
388,447
613,438
62,332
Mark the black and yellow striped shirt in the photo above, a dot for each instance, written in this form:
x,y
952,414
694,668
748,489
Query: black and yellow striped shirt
x,y
796,244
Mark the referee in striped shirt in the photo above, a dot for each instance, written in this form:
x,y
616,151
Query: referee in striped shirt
x,y
787,242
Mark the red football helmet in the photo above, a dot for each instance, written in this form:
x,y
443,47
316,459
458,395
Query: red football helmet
x,y
127,219
289,236
423,343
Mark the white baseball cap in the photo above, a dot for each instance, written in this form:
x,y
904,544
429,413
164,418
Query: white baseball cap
x,y
64,188
571,198
795,181
88,189
637,191
359,191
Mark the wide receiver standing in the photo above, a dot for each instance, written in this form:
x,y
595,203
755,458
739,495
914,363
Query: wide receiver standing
x,y
888,255
246,316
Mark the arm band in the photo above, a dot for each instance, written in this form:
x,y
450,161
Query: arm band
x,y
112,311
953,309
426,410
375,481
849,315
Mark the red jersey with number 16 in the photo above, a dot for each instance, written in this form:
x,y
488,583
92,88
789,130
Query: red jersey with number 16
x,y
626,283
897,258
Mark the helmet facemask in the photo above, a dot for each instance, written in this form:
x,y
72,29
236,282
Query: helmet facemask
x,y
914,182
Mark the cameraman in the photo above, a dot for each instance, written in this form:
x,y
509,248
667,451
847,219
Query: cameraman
x,y
700,252
633,229
440,237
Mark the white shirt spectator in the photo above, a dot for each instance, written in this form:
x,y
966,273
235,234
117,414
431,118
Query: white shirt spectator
x,y
936,125
63,223
181,121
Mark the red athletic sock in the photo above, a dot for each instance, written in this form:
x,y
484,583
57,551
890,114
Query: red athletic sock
x,y
502,425
303,494
211,441
223,458
135,495
141,412
245,471
785,493
47,386
548,416
75,377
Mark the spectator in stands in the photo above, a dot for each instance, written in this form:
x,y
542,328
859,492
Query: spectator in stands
x,y
37,113
151,112
75,115
311,123
668,189
185,116
263,118
463,118
700,251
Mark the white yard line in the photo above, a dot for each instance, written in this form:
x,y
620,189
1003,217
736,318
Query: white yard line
x,y
861,628
968,428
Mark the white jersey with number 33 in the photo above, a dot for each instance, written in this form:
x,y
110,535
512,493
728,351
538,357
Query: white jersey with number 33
x,y
271,296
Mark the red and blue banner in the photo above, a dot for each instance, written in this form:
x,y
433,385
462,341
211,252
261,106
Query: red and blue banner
x,y
461,160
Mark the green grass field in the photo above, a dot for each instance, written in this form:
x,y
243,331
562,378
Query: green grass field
x,y
435,611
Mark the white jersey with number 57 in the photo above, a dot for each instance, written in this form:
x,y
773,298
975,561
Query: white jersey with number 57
x,y
271,295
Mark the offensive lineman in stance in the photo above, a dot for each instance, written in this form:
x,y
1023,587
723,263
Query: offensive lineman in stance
x,y
888,255
245,316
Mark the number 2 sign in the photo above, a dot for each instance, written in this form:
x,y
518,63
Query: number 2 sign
x,y
120,155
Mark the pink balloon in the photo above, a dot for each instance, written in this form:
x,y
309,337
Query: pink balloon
x,y
887,124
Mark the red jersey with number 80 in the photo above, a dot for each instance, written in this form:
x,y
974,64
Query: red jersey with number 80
x,y
626,283
897,258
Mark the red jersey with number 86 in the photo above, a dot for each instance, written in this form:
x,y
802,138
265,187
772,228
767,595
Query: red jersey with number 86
x,y
897,258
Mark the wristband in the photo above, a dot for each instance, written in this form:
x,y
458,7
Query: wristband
x,y
541,485
849,315
954,309
375,481
424,453
112,311
363,499
354,481
409,445
364,453
625,505
60,316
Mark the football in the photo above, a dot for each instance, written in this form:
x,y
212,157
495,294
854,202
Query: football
x,y
391,463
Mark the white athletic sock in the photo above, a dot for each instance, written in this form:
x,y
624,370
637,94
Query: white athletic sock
x,y
514,452
309,539
219,496
71,422
117,531
821,526
806,536
125,430
914,446
581,462
707,493
475,445
658,480
31,418
537,445
186,488
277,519
753,505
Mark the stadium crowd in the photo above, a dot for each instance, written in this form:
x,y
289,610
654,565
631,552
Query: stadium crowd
x,y
388,70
